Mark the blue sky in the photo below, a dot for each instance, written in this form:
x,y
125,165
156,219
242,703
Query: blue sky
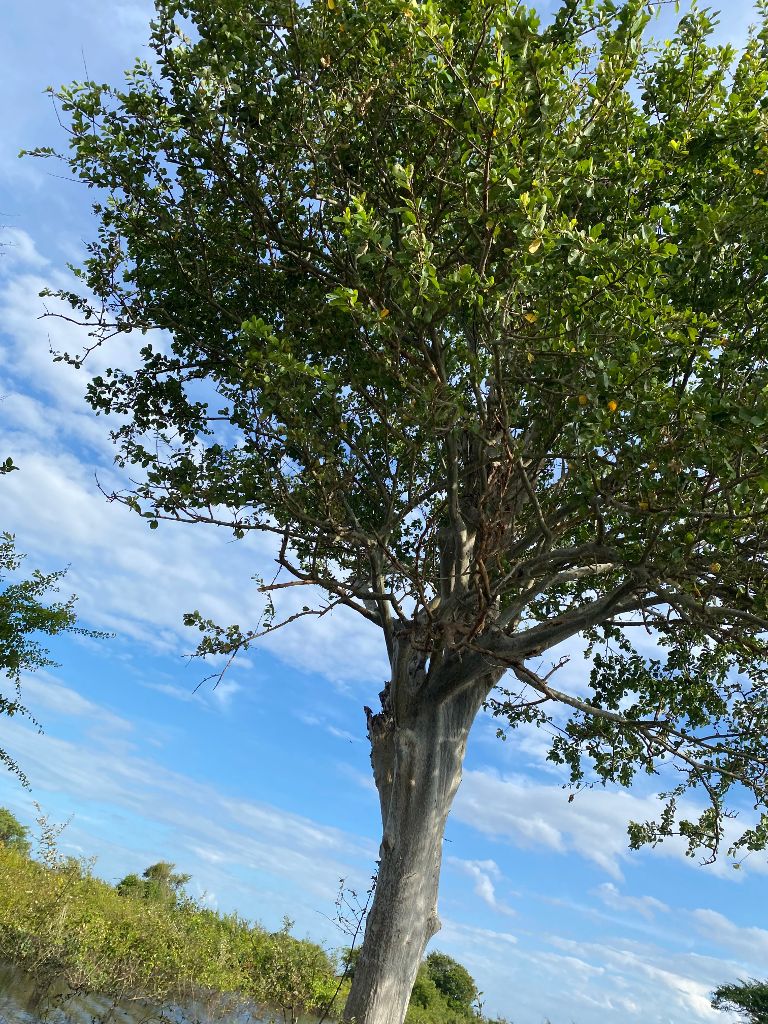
x,y
261,788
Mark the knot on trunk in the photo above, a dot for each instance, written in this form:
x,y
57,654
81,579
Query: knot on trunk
x,y
434,924
382,724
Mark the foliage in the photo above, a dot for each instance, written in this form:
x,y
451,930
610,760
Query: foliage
x,y
295,973
24,613
747,998
432,1005
13,835
65,927
479,306
62,925
158,884
452,980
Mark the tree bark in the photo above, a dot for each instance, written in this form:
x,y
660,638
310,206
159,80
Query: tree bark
x,y
417,768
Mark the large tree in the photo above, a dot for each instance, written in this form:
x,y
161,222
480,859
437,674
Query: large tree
x,y
468,311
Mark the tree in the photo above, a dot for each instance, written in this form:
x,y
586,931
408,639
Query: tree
x,y
468,312
158,884
453,980
23,615
747,998
13,834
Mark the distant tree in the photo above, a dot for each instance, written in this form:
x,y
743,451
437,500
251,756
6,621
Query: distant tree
x,y
468,309
747,998
13,834
161,878
158,884
452,979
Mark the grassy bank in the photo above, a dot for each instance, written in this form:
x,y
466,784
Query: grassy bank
x,y
74,933
67,928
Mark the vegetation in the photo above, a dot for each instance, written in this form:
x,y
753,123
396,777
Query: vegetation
x,y
23,615
144,940
76,934
159,884
13,835
747,998
470,311
444,993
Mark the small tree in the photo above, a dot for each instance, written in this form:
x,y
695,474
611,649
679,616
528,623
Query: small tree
x,y
747,998
13,834
159,884
471,314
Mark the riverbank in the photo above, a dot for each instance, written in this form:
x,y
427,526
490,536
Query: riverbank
x,y
74,933
144,950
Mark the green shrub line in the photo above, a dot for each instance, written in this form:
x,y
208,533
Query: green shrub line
x,y
145,941
73,932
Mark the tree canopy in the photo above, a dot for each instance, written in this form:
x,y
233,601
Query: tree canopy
x,y
470,313
747,998
452,979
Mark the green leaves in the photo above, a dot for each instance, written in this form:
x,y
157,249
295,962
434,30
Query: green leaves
x,y
459,306
24,614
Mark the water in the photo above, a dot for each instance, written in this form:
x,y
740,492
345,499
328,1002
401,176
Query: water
x,y
20,1004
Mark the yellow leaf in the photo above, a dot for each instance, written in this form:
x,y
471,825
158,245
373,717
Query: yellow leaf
x,y
643,506
383,313
758,171
583,400
531,317
715,567
530,357
535,245
331,5
613,406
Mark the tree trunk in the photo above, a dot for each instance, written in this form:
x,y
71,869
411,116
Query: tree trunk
x,y
417,768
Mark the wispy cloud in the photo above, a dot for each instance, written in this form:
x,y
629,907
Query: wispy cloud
x,y
532,814
485,875
647,906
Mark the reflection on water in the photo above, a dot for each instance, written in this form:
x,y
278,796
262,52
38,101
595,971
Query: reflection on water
x,y
21,1002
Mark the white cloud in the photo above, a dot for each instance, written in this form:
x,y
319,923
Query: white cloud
x,y
748,943
594,825
17,248
44,692
485,874
646,906
668,986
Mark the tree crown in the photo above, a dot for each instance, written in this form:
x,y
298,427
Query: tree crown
x,y
470,313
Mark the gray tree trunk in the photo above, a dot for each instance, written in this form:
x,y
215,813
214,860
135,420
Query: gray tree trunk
x,y
417,768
